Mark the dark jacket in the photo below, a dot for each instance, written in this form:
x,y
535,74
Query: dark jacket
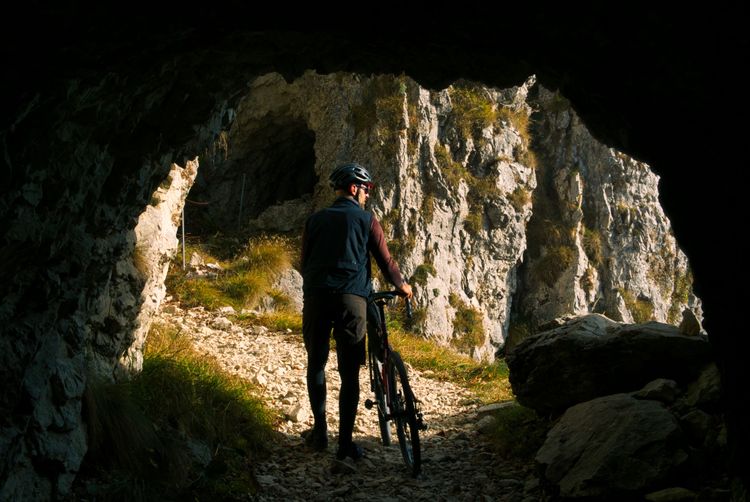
x,y
336,247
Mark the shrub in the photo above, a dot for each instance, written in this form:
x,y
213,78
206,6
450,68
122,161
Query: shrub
x,y
642,309
468,328
422,272
553,263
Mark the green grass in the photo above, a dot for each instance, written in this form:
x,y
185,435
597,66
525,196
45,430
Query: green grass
x,y
641,309
279,320
468,328
549,268
519,432
422,272
472,110
592,244
181,386
246,275
683,285
488,381
139,432
519,198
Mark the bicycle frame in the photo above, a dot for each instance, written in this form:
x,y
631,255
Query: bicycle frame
x,y
389,383
380,300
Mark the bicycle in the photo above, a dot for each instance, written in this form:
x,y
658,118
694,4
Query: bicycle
x,y
394,399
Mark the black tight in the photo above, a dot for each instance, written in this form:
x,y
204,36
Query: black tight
x,y
345,315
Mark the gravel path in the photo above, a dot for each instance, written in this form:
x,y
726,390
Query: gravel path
x,y
456,463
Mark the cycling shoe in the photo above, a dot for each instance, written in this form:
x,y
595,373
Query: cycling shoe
x,y
355,452
316,440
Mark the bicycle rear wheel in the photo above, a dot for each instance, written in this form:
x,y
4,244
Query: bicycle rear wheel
x,y
407,427
378,388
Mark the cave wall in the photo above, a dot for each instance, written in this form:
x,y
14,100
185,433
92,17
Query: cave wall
x,y
92,120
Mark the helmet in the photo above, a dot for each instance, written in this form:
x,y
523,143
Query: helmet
x,y
346,174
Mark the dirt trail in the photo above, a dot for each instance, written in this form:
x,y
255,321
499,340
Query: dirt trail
x,y
456,463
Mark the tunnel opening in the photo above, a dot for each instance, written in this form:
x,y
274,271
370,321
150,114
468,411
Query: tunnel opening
x,y
270,167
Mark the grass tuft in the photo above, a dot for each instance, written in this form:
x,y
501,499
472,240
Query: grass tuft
x,y
641,308
280,320
489,382
468,327
519,432
245,277
142,433
190,391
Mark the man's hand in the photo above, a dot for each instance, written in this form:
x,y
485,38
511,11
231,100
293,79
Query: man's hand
x,y
406,290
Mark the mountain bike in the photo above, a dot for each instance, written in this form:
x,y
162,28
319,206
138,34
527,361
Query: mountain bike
x,y
395,402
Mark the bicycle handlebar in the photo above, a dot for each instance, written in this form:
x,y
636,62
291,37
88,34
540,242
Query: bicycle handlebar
x,y
390,295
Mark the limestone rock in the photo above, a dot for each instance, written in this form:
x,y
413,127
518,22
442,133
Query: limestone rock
x,y
690,324
593,356
611,448
155,244
674,494
661,389
599,240
459,200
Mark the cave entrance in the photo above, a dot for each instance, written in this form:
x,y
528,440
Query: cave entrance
x,y
249,179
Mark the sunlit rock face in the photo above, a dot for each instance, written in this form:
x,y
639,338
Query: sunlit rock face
x,y
599,240
459,195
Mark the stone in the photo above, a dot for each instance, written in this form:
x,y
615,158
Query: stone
x,y
705,392
494,407
661,389
556,369
612,447
675,494
154,245
486,424
221,323
297,413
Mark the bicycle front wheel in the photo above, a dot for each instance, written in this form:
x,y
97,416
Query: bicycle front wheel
x,y
405,414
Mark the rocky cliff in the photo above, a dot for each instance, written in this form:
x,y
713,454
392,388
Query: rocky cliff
x,y
599,240
494,200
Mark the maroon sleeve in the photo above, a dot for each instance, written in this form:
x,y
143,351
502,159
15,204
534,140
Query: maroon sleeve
x,y
303,254
379,250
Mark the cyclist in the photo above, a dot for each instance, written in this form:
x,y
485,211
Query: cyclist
x,y
336,246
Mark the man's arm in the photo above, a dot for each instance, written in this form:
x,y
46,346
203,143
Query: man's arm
x,y
305,247
386,263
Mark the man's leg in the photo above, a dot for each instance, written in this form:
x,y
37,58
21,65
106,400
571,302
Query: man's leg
x,y
316,330
349,330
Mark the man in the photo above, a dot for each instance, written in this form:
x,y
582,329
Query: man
x,y
336,247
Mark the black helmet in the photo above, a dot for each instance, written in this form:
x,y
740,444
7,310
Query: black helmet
x,y
346,174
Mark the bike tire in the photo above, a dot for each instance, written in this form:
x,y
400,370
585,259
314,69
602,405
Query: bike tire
x,y
385,427
407,428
